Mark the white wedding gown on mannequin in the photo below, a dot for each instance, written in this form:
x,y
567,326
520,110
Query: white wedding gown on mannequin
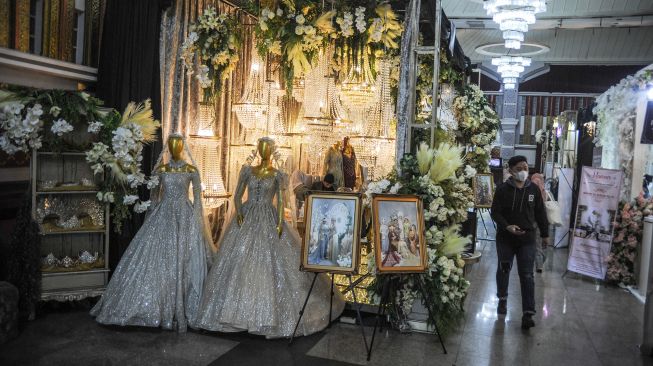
x,y
159,280
255,284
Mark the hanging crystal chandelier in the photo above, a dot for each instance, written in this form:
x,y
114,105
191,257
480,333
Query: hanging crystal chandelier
x,y
513,17
358,92
205,148
250,110
510,67
322,107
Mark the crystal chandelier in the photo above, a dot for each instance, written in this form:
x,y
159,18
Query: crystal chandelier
x,y
258,107
510,67
206,150
513,17
322,107
358,92
251,108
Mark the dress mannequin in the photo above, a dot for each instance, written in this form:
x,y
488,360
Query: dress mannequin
x,y
176,165
255,284
159,280
333,164
264,170
350,168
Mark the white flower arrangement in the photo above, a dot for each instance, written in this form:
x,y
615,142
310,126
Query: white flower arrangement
x,y
616,112
479,124
123,158
214,43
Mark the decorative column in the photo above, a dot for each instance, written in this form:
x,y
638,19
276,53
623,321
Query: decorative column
x,y
509,122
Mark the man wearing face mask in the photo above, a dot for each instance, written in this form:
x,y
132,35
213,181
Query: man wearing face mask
x,y
517,209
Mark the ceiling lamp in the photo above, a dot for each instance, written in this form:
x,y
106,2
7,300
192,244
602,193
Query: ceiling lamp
x,y
510,67
513,17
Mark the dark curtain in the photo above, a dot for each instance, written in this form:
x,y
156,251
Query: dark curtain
x,y
129,71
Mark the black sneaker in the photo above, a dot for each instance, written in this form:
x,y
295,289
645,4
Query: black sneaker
x,y
527,321
502,309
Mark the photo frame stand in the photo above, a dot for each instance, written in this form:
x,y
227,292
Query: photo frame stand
x,y
383,304
357,306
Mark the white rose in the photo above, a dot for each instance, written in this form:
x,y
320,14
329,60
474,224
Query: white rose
x,y
279,12
263,25
300,19
299,30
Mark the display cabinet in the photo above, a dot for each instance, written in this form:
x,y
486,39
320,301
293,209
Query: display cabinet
x,y
73,224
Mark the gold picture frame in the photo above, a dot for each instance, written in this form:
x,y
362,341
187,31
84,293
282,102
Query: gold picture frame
x,y
483,185
331,240
399,241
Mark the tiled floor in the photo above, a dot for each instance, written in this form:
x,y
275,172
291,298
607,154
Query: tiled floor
x,y
579,322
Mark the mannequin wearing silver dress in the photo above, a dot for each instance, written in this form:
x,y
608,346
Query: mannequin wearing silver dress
x,y
255,284
159,280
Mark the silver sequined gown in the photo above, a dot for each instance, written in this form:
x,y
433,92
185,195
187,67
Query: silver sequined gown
x,y
159,280
255,284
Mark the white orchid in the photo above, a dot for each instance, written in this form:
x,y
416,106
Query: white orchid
x,y
142,206
60,127
95,127
129,199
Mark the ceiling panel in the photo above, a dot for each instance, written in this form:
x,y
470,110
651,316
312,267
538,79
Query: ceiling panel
x,y
558,8
604,46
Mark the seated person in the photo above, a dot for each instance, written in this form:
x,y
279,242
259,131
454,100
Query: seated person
x,y
325,185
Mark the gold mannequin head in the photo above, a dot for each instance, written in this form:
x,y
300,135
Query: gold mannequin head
x,y
175,146
265,148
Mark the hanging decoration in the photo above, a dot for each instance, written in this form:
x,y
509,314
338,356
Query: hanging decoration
x,y
513,17
252,109
212,49
296,31
361,36
510,67
478,124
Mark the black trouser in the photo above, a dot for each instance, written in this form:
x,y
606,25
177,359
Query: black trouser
x,y
522,247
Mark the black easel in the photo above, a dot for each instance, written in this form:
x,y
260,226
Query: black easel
x,y
357,306
479,212
385,297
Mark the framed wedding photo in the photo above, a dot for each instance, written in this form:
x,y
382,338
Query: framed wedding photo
x,y
399,243
483,190
331,239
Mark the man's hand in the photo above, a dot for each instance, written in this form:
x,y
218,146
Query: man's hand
x,y
545,243
515,230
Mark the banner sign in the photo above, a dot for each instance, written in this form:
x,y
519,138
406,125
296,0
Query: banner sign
x,y
598,202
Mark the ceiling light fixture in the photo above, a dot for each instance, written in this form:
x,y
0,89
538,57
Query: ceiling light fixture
x,y
513,17
510,67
